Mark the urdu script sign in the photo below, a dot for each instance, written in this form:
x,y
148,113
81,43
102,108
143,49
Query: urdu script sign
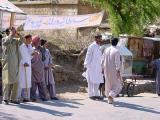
x,y
40,22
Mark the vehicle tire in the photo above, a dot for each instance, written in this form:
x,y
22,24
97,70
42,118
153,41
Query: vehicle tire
x,y
130,89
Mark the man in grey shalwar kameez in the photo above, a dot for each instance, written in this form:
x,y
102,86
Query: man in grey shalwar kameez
x,y
10,70
49,78
156,64
38,79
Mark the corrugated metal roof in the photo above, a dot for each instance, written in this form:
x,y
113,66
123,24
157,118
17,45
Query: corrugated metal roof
x,y
151,38
5,5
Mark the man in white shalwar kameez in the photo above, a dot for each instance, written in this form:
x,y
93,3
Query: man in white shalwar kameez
x,y
26,52
111,65
93,67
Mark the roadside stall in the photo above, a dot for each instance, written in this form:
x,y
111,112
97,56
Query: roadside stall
x,y
127,61
126,57
10,15
144,51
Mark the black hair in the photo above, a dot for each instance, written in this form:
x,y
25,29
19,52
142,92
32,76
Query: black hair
x,y
98,36
114,41
28,36
43,42
7,30
1,36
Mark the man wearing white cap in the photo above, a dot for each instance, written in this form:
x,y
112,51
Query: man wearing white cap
x,y
105,43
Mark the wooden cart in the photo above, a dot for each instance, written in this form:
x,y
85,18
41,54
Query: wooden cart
x,y
128,86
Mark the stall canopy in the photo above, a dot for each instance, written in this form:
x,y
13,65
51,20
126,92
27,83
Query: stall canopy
x,y
5,5
10,15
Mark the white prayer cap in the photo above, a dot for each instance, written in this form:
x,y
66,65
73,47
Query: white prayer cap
x,y
105,37
98,33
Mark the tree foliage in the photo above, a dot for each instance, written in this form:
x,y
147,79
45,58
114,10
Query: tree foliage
x,y
129,16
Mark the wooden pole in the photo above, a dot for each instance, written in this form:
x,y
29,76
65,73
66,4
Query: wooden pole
x,y
12,19
26,81
77,34
1,16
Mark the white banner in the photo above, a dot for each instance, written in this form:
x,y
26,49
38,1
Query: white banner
x,y
41,22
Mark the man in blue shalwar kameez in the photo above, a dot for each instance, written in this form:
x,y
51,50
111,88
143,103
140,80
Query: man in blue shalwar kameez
x,y
156,64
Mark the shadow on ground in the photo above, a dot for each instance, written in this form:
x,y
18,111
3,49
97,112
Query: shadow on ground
x,y
5,116
136,107
44,110
63,103
59,103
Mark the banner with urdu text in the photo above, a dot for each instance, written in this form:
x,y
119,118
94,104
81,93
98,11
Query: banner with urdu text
x,y
41,22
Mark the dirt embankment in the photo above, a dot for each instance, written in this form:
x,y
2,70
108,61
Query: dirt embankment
x,y
68,64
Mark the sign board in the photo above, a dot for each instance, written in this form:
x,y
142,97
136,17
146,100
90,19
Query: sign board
x,y
40,22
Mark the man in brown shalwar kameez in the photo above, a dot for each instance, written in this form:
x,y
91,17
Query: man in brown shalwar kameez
x,y
38,79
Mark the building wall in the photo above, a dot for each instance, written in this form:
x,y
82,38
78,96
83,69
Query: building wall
x,y
67,38
86,8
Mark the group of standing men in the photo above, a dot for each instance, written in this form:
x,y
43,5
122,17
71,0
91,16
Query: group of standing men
x,y
100,64
103,65
26,66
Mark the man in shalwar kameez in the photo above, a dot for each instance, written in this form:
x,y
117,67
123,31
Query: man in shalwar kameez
x,y
104,44
49,78
38,78
92,64
10,70
26,52
111,65
156,65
